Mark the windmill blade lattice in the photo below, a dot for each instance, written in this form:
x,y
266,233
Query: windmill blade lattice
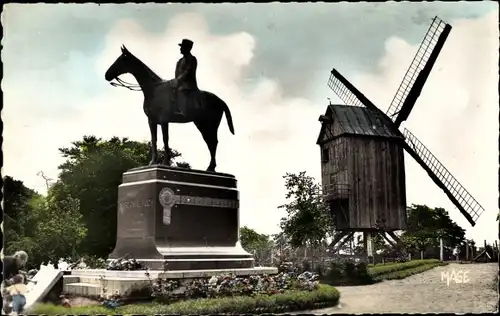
x,y
342,91
462,199
419,61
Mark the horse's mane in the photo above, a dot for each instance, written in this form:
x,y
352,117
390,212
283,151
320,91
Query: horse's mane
x,y
151,72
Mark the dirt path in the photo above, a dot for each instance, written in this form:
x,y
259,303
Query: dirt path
x,y
423,293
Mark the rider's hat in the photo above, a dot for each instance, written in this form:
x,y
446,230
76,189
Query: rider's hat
x,y
186,43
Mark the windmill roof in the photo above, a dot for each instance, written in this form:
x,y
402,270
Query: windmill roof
x,y
359,121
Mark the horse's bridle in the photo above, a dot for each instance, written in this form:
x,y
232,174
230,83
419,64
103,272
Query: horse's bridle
x,y
124,84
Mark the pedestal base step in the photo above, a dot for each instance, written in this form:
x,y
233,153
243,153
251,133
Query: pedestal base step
x,y
198,263
83,289
91,282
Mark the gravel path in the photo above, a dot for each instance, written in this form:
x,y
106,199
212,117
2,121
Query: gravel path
x,y
423,293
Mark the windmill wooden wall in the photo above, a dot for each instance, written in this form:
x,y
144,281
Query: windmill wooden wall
x,y
362,170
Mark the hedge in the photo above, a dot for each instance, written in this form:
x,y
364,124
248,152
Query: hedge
x,y
409,271
324,296
377,270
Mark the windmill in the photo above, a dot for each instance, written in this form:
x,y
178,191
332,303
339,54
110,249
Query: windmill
x,y
362,152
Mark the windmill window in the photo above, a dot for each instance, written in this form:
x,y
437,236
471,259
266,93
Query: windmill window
x,y
325,154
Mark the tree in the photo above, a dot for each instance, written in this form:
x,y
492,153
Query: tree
x,y
251,240
91,174
16,207
46,229
258,244
307,222
426,226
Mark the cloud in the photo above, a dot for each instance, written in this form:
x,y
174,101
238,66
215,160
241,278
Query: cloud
x,y
456,116
272,131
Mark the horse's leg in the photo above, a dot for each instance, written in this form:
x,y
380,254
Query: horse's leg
x,y
154,151
208,130
164,131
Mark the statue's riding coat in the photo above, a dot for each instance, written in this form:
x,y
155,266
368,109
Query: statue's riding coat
x,y
185,73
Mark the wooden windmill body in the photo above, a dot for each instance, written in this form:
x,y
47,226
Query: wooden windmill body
x,y
362,153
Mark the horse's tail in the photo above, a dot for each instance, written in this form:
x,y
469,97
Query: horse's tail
x,y
229,118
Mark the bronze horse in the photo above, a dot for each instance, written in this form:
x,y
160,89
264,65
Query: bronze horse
x,y
205,109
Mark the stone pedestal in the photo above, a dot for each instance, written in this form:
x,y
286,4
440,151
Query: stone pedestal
x,y
188,218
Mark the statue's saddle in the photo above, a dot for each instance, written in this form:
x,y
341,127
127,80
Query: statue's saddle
x,y
187,99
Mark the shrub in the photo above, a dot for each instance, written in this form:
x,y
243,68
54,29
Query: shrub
x,y
350,270
166,290
321,297
306,265
347,272
404,273
393,267
335,272
128,264
363,274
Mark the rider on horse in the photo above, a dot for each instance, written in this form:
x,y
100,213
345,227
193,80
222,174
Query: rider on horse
x,y
185,77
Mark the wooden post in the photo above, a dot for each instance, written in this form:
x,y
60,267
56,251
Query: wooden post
x,y
498,250
466,250
441,249
368,246
486,252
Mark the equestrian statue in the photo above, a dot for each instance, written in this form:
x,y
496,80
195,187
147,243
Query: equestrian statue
x,y
174,101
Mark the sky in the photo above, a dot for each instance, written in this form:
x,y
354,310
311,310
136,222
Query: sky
x,y
270,63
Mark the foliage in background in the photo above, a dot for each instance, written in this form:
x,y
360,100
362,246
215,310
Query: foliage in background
x,y
427,225
307,222
17,208
46,228
260,245
78,215
92,173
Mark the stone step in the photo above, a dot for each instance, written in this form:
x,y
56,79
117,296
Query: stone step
x,y
110,285
83,289
67,279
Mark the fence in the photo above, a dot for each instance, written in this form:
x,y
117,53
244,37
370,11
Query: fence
x,y
315,256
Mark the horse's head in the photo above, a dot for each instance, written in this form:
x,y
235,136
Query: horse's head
x,y
122,65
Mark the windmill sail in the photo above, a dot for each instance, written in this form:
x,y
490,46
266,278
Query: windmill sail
x,y
341,86
462,199
420,68
352,96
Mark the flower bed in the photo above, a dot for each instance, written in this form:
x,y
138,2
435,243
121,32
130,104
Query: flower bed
x,y
229,285
286,291
293,300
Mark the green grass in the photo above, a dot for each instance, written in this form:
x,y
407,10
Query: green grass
x,y
401,272
324,296
381,269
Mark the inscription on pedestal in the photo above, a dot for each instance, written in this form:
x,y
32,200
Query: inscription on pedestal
x,y
136,204
134,217
168,199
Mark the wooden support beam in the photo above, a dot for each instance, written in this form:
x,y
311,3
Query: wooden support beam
x,y
394,237
392,243
338,238
341,243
